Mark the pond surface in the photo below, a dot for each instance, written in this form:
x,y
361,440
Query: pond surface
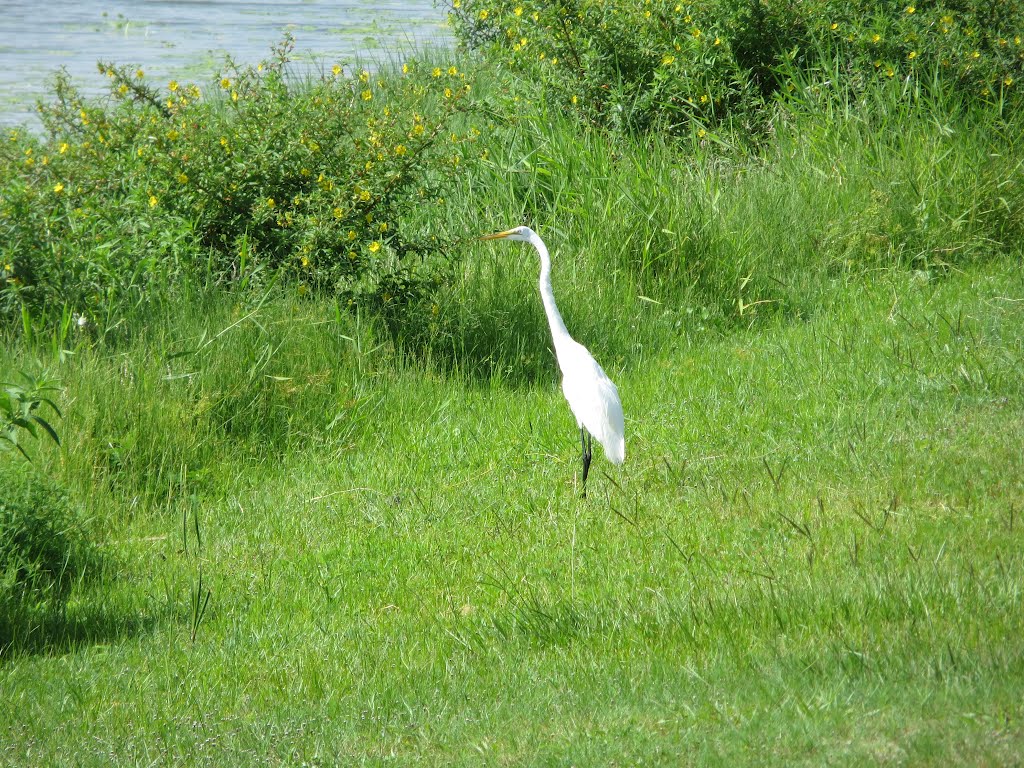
x,y
188,39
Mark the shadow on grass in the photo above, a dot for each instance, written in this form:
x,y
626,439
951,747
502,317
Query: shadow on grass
x,y
51,631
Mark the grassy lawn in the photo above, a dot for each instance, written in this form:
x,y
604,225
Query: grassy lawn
x,y
812,556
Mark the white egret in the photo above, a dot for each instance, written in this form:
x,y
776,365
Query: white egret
x,y
592,396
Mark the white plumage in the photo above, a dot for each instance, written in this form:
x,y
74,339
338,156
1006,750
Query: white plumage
x,y
592,396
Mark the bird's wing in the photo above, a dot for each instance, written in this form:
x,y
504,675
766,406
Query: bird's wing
x,y
594,400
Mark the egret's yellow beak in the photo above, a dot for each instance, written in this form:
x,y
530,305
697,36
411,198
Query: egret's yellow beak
x,y
497,235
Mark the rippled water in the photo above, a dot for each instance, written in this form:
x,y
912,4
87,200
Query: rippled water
x,y
188,39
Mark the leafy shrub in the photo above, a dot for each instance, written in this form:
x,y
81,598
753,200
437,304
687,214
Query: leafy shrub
x,y
631,66
42,551
322,181
686,66
19,411
974,46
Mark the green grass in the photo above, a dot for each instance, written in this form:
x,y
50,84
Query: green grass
x,y
811,556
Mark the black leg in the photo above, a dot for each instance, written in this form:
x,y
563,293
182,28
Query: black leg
x,y
587,444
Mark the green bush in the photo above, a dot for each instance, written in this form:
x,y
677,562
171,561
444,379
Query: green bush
x,y
42,549
629,66
20,411
972,46
323,181
687,67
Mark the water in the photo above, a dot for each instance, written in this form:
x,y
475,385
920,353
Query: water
x,y
187,40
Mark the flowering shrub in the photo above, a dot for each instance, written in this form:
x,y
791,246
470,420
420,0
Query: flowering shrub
x,y
683,65
973,46
323,182
632,66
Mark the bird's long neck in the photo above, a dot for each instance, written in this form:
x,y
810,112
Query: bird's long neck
x,y
559,333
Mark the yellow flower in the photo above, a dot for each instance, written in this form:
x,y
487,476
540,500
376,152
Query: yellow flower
x,y
910,9
63,147
518,10
153,201
305,261
58,188
338,213
574,100
876,38
417,130
172,135
405,69
336,70
889,72
364,76
375,246
667,59
364,195
912,55
456,4
696,32
483,15
383,226
367,94
122,89
447,93
834,26
400,150
703,98
172,86
351,235
183,178
718,41
701,133
436,72
1008,81
234,95
139,73
225,83
270,202
453,71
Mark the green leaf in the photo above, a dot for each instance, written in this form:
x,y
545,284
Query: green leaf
x,y
49,430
